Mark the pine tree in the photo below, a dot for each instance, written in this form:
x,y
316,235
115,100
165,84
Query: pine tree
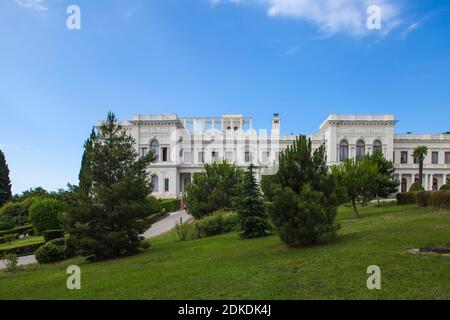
x,y
5,182
250,206
85,175
108,221
303,204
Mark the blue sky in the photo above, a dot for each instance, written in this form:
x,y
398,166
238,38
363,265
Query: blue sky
x,y
301,58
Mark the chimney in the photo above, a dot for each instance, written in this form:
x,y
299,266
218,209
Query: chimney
x,y
276,123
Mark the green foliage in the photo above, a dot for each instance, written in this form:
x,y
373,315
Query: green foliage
x,y
22,250
441,199
250,207
47,214
424,199
386,184
50,235
10,237
51,252
169,205
14,213
5,182
213,190
38,192
154,205
218,222
406,198
108,220
416,186
304,202
358,180
25,230
85,175
445,187
187,231
4,225
10,261
268,185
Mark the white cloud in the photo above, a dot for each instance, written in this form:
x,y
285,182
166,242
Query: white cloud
x,y
36,5
331,16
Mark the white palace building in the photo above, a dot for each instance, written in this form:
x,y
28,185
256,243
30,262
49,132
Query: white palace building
x,y
183,145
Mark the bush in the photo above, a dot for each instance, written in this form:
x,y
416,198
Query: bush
x,y
415,187
156,217
51,252
45,214
187,231
4,225
406,198
10,260
424,198
14,213
52,234
169,205
154,204
10,237
441,199
22,250
445,187
217,223
27,229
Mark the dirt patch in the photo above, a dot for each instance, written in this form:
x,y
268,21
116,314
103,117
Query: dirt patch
x,y
445,251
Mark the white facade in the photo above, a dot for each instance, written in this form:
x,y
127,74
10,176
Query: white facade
x,y
183,145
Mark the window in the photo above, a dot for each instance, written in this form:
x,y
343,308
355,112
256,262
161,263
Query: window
x,y
265,156
144,151
377,146
155,148
166,185
447,157
360,149
214,156
188,157
343,150
404,157
155,183
201,157
435,157
229,156
393,157
416,160
165,154
247,156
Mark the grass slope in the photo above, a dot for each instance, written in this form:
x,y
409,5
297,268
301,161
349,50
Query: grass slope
x,y
226,267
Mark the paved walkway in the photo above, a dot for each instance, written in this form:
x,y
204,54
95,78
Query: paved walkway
x,y
167,224
157,229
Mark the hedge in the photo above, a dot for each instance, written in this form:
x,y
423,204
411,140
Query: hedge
x,y
22,250
20,230
169,205
435,199
445,187
156,217
50,235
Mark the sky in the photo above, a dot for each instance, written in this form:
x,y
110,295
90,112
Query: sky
x,y
303,59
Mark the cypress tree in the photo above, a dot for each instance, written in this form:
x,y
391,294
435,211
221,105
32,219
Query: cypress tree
x,y
250,206
85,175
5,182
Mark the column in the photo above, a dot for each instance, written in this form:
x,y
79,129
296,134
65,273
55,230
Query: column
x,y
426,182
400,177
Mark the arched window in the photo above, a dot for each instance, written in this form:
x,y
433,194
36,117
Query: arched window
x,y
360,149
155,183
377,146
404,185
154,145
343,150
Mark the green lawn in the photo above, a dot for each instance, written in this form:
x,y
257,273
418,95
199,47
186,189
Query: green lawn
x,y
226,267
21,242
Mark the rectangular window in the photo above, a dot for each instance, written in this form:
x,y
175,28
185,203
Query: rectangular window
x,y
404,157
447,157
188,157
214,156
416,161
165,154
201,157
166,185
247,156
265,156
144,151
435,157
229,157
393,157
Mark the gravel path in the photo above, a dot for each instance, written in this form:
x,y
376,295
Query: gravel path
x,y
157,229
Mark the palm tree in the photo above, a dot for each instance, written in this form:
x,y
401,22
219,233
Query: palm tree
x,y
419,154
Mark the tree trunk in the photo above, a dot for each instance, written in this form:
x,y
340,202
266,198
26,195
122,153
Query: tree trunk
x,y
420,172
355,210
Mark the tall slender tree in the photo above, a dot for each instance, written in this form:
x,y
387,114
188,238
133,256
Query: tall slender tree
x,y
250,206
5,182
85,175
419,155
